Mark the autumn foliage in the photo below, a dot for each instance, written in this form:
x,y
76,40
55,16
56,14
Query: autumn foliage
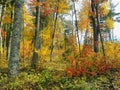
x,y
55,48
90,67
91,64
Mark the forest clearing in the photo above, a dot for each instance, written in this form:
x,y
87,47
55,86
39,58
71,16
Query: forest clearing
x,y
59,45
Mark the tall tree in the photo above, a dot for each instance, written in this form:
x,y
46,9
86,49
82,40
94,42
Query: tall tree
x,y
98,28
36,40
95,31
13,64
8,32
53,34
76,25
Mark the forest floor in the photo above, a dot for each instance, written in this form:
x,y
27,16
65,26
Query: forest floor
x,y
109,81
52,76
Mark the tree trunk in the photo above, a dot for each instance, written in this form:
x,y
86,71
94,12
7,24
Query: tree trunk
x,y
9,35
65,39
53,34
85,40
76,26
2,14
13,64
37,38
98,29
1,43
95,31
110,37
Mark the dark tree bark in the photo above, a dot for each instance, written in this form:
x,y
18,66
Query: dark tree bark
x,y
65,39
95,30
98,28
37,38
110,36
13,64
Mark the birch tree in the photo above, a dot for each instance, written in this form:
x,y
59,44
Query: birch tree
x,y
36,40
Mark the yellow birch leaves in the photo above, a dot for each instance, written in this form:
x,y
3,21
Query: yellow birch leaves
x,y
26,16
63,7
103,8
84,16
109,23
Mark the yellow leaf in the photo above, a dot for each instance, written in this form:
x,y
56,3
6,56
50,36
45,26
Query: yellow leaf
x,y
109,23
6,19
103,8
